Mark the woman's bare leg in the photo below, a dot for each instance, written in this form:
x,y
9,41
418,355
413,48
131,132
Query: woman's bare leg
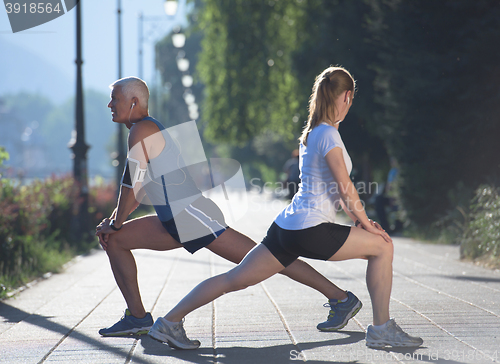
x,y
233,246
364,245
257,266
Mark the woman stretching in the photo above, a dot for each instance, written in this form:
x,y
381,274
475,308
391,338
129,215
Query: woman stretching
x,y
307,226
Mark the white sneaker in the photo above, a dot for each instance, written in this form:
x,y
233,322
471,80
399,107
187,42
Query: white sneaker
x,y
392,335
173,334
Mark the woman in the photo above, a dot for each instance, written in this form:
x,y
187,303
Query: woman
x,y
306,227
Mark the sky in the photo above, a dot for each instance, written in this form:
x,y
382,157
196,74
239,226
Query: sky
x,y
54,43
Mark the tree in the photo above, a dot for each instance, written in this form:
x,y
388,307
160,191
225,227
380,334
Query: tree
x,y
258,64
437,81
246,66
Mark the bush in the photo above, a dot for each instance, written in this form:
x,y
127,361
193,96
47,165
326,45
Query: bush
x,y
35,220
481,236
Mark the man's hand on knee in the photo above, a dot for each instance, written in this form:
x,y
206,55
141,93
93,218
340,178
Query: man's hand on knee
x,y
102,232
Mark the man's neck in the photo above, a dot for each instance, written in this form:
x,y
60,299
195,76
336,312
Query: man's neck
x,y
136,119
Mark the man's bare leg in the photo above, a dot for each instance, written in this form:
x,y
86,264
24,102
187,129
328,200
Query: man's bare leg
x,y
233,246
142,233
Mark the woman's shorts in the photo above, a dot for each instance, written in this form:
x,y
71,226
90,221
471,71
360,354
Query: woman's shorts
x,y
317,242
198,225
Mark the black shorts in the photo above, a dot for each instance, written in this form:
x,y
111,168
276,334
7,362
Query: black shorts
x,y
197,225
317,242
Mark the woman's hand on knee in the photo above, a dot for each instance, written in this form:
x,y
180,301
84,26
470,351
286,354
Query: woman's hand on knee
x,y
377,225
377,230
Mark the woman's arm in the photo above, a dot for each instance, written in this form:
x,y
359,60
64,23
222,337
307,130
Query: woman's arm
x,y
346,210
350,198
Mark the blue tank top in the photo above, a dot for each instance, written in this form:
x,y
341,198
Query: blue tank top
x,y
168,184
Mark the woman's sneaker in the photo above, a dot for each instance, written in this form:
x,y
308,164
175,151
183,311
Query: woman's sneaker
x,y
392,335
340,313
172,333
129,325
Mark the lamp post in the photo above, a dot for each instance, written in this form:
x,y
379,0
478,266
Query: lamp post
x,y
120,144
179,40
170,7
80,220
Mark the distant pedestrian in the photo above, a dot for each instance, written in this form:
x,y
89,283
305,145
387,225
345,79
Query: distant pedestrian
x,y
306,226
387,199
292,171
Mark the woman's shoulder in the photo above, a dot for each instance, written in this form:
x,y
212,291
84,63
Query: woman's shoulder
x,y
325,131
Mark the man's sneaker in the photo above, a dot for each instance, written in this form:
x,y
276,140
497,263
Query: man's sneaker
x,y
129,325
392,335
340,313
173,334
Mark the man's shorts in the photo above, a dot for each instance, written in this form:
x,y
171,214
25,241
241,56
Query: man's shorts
x,y
317,242
198,225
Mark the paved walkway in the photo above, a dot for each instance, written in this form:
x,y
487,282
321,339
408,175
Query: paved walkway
x,y
453,305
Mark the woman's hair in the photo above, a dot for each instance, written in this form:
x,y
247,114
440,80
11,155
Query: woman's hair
x,y
329,84
133,87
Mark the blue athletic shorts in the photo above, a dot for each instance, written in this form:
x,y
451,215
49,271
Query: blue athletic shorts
x,y
318,242
198,225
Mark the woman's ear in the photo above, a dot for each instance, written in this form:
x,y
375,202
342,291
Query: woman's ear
x,y
347,97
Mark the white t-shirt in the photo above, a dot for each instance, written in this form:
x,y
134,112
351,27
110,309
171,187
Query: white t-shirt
x,y
318,198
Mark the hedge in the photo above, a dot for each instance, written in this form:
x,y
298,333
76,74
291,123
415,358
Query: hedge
x,y
35,219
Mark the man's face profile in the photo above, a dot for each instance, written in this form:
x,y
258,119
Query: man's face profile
x,y
118,105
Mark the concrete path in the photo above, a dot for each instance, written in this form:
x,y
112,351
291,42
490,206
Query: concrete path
x,y
453,305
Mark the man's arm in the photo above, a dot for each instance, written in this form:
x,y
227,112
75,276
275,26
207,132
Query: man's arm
x,y
129,198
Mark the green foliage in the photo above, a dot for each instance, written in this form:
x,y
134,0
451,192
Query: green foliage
x,y
437,82
254,76
246,66
173,109
481,235
427,74
35,222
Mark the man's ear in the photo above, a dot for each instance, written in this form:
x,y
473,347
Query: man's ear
x,y
135,101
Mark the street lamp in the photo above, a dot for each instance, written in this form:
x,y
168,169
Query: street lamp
x,y
182,64
170,7
80,220
120,145
189,97
187,81
178,40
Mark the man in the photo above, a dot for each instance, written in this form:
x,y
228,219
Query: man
x,y
177,201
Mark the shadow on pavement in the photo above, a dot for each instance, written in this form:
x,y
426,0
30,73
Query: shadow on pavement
x,y
276,354
407,354
14,315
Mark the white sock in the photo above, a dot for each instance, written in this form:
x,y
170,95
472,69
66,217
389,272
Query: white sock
x,y
380,327
170,322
